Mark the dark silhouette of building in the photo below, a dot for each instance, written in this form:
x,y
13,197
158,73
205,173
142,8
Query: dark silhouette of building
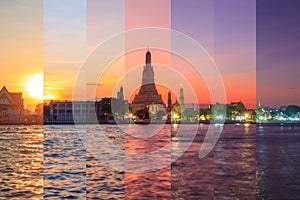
x,y
120,94
148,93
11,106
169,101
110,109
181,99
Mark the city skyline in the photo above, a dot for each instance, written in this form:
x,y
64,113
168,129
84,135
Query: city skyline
x,y
160,99
37,37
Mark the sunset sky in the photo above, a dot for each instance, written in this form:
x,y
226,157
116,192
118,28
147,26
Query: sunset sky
x,y
254,45
21,50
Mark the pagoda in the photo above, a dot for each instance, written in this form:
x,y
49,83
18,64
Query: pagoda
x,y
147,94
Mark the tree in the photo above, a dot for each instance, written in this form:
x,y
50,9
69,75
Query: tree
x,y
142,113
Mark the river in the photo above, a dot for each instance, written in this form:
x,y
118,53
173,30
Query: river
x,y
149,162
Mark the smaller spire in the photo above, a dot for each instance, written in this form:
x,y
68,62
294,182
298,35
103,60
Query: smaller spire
x,y
169,100
181,98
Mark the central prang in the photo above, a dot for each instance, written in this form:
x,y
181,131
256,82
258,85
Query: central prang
x,y
148,99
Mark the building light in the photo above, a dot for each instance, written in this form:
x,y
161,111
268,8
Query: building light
x,y
219,117
175,116
202,117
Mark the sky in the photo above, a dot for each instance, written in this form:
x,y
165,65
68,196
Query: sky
x,y
278,52
64,37
252,43
21,49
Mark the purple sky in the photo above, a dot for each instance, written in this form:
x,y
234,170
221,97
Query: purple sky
x,y
226,29
278,52
257,41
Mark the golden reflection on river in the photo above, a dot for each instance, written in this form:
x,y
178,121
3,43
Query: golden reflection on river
x,y
21,166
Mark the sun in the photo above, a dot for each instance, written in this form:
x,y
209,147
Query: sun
x,y
35,85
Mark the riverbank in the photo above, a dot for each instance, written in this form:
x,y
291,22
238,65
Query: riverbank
x,y
263,123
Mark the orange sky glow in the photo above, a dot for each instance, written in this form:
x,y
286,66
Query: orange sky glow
x,y
56,41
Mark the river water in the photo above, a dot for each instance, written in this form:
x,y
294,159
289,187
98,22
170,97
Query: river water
x,y
149,162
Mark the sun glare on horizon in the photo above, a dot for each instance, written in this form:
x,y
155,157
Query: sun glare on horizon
x,y
34,86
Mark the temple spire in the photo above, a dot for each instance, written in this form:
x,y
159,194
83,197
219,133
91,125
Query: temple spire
x,y
147,96
148,73
148,57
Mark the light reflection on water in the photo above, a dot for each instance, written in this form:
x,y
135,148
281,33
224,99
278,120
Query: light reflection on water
x,y
64,163
21,162
278,169
103,181
248,162
148,173
227,172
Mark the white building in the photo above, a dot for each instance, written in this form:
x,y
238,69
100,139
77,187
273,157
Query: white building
x,y
157,111
69,111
